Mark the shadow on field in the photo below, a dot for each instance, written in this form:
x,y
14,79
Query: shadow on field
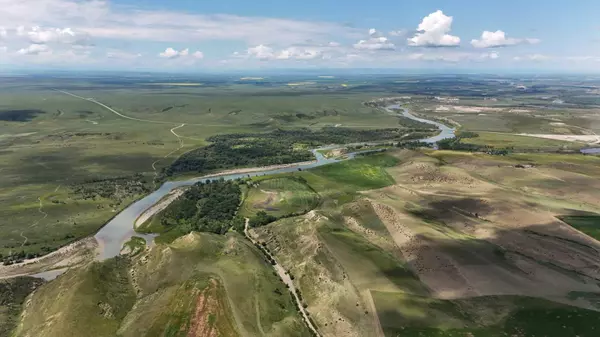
x,y
453,209
544,260
25,115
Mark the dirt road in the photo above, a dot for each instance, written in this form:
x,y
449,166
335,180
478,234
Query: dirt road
x,y
285,277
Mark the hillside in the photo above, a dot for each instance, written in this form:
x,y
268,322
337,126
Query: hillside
x,y
200,285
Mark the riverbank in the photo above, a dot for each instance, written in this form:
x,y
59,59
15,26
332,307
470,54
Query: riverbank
x,y
110,238
159,207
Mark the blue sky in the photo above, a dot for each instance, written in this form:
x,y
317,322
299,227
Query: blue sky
x,y
195,36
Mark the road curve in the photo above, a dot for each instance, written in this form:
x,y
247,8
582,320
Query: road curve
x,y
285,277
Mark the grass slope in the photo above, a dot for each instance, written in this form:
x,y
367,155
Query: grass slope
x,y
588,224
492,316
13,293
200,285
278,197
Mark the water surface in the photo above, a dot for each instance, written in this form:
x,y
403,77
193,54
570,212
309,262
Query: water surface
x,y
121,228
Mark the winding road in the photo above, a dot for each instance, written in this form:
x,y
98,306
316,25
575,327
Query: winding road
x,y
287,280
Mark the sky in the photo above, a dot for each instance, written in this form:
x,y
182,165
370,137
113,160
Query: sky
x,y
203,35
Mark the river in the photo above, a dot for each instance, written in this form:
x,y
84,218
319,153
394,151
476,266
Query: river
x,y
121,228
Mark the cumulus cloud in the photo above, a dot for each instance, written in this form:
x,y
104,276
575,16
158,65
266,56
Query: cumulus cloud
x,y
39,35
375,42
498,39
261,52
171,53
266,53
34,49
433,32
3,33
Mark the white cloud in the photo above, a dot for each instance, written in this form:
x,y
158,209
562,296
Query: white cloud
x,y
3,49
378,43
532,57
261,52
106,19
454,57
122,55
266,53
39,35
171,53
3,33
433,32
399,33
489,56
498,39
34,49
334,44
375,42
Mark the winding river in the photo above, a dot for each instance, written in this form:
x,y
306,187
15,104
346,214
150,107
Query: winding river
x,y
121,228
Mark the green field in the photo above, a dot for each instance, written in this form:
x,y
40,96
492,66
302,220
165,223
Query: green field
x,y
279,197
54,145
361,173
588,224
493,316
522,143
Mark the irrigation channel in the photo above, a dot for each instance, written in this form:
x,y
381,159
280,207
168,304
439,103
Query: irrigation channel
x,y
121,228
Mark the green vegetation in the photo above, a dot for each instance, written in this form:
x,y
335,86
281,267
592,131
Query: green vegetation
x,y
134,246
205,207
276,147
279,196
518,143
13,293
493,316
588,224
361,173
200,285
94,298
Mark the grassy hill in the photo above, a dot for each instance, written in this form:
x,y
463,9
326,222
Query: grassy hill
x,y
200,285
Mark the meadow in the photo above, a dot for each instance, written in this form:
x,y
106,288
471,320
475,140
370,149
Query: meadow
x,y
55,143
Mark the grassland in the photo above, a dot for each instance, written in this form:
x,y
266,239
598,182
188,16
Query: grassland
x,y
13,293
451,244
279,197
481,316
53,144
588,224
200,285
521,143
